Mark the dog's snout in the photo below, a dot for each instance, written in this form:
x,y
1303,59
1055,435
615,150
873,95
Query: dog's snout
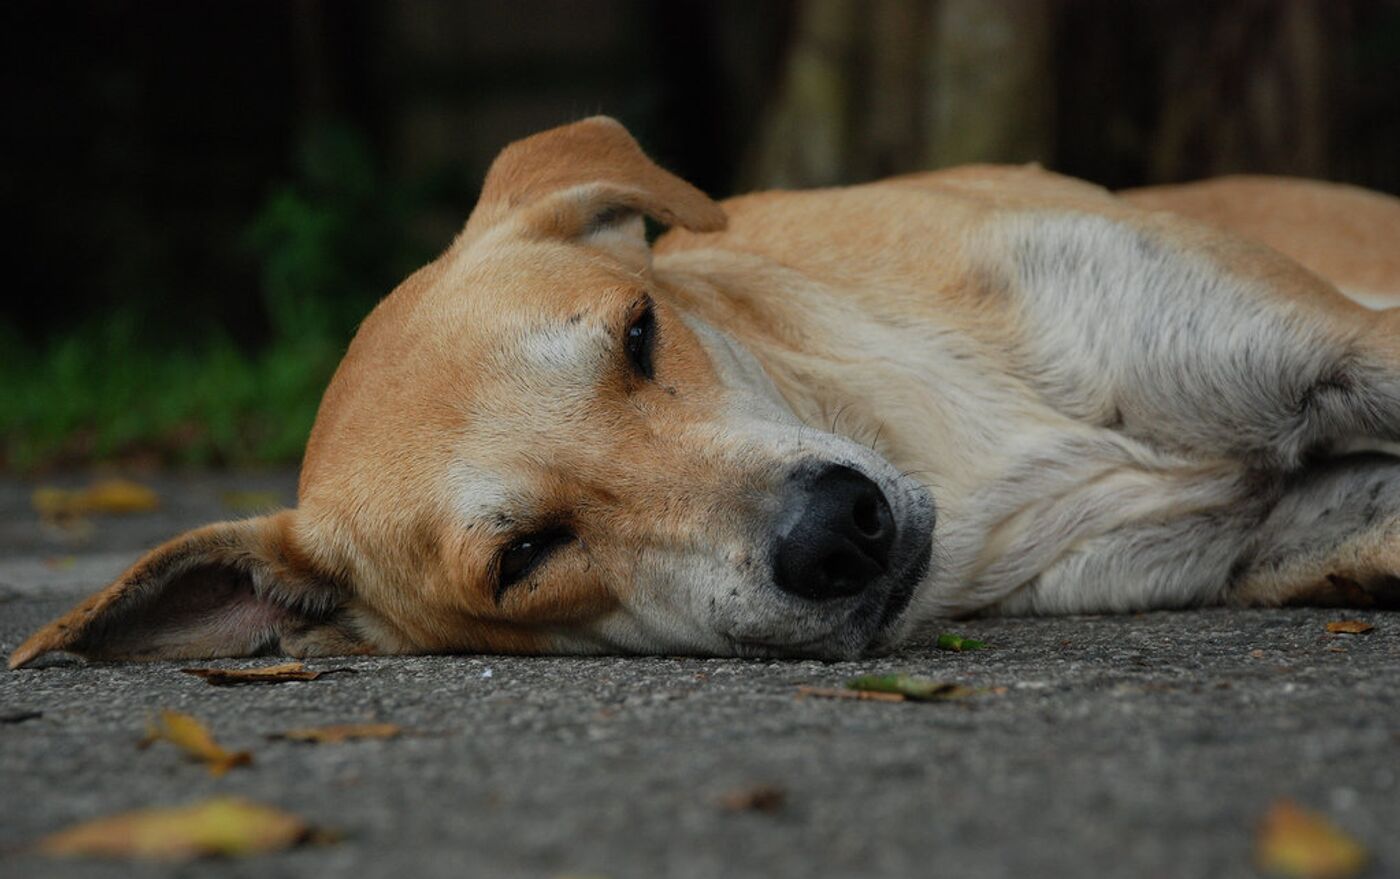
x,y
833,535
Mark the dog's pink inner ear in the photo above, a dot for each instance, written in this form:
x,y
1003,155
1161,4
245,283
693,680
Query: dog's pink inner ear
x,y
231,589
205,611
595,169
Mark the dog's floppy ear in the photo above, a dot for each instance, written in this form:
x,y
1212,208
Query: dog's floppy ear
x,y
230,589
590,182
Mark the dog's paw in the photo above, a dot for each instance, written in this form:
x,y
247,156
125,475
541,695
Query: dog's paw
x,y
1362,572
1380,591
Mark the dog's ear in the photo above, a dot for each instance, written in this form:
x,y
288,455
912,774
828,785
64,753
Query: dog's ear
x,y
588,182
230,589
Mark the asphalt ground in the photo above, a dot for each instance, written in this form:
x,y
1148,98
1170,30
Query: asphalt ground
x,y
1145,746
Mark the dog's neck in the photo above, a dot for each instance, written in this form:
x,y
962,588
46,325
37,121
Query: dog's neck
x,y
898,387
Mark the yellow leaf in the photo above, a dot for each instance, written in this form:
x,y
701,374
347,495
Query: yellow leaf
x,y
1296,842
51,503
340,732
194,739
120,496
271,674
104,496
1349,627
226,826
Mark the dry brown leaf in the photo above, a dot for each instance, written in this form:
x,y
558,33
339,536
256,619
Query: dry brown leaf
x,y
834,693
1296,842
271,674
759,798
1349,627
104,496
340,732
225,826
188,734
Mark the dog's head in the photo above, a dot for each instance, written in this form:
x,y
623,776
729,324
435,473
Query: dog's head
x,y
529,448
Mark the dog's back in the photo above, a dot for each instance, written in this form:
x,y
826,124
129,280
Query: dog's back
x,y
1348,235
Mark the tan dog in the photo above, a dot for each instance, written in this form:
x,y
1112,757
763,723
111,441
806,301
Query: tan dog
x,y
557,439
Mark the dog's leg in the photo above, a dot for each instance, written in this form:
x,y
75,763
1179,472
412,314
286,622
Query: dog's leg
x,y
1333,539
1183,561
1327,535
1100,524
1191,341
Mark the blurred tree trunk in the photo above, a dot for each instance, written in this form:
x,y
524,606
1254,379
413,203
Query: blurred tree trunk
x,y
991,83
804,142
1244,90
878,87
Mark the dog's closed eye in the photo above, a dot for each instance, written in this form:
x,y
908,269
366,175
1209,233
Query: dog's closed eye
x,y
526,554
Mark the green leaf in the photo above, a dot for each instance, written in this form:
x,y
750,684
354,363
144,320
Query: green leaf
x,y
958,643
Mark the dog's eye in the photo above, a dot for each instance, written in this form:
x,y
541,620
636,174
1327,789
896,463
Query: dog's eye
x,y
526,554
639,341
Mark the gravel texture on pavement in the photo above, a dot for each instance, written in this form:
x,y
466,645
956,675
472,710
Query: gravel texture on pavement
x,y
1147,745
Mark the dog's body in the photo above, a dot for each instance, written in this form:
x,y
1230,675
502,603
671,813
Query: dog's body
x,y
984,390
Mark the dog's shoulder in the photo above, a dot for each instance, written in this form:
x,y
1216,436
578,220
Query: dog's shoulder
x,y
1023,186
951,195
929,214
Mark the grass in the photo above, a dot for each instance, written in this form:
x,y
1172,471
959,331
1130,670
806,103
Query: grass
x,y
99,393
327,244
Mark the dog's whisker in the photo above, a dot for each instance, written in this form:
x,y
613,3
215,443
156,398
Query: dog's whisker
x,y
836,419
875,443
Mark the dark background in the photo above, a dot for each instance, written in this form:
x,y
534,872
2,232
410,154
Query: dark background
x,y
207,196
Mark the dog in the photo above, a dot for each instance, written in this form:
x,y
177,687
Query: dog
x,y
803,422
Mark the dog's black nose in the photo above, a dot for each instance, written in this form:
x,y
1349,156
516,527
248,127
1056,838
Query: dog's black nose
x,y
833,534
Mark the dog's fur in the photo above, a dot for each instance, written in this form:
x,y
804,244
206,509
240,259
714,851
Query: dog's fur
x,y
1071,402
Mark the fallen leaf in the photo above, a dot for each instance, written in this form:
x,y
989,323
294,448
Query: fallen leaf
x,y
53,503
225,826
20,716
765,798
271,674
1257,654
910,687
105,496
251,501
1349,627
1295,842
194,738
341,732
958,643
834,693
